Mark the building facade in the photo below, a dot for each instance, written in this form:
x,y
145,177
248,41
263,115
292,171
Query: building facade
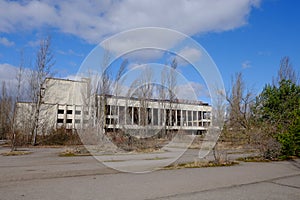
x,y
65,103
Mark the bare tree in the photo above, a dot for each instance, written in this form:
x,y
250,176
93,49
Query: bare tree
x,y
14,125
98,85
218,118
171,86
118,82
286,71
43,64
5,113
162,92
240,101
142,89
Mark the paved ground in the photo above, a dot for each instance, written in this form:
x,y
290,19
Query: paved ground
x,y
44,175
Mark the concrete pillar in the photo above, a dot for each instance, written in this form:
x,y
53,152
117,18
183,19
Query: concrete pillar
x,y
65,115
158,117
202,118
73,116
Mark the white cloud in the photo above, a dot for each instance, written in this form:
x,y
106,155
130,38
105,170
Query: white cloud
x,y
191,91
95,20
7,72
143,55
70,52
34,43
4,41
8,75
246,64
188,55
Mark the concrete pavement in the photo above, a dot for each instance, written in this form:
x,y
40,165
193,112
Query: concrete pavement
x,y
44,175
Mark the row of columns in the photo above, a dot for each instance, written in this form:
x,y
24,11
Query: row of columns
x,y
185,115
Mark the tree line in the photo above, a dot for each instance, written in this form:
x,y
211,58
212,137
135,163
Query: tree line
x,y
27,88
269,121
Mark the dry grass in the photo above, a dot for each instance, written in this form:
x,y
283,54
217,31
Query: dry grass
x,y
199,164
149,150
262,159
157,158
16,153
70,152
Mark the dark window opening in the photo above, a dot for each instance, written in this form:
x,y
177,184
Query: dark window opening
x,y
69,112
178,117
129,116
189,118
60,120
77,121
69,121
194,118
155,116
168,117
77,112
107,109
149,116
136,115
122,115
173,117
60,111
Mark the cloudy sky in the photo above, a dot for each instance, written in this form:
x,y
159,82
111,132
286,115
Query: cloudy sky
x,y
240,35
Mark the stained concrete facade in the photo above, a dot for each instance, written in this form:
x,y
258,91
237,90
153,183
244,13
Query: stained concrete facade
x,y
66,103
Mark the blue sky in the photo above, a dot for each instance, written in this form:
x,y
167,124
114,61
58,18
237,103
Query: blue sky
x,y
249,36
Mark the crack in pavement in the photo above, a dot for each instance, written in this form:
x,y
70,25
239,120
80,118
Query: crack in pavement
x,y
232,186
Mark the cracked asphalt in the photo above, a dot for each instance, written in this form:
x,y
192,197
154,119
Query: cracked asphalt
x,y
44,175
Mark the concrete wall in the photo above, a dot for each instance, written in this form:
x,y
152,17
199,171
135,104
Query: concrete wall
x,y
64,104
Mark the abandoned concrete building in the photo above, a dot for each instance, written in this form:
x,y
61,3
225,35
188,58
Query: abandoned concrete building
x,y
65,103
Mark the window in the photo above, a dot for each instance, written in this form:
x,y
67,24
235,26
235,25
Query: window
x,y
114,110
69,121
122,115
129,115
178,117
155,116
189,118
199,115
60,120
77,121
168,117
69,112
173,117
194,118
60,111
149,115
184,119
136,115
77,112
107,110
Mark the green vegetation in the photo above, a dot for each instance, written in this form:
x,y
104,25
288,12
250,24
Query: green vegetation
x,y
281,108
269,121
278,111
